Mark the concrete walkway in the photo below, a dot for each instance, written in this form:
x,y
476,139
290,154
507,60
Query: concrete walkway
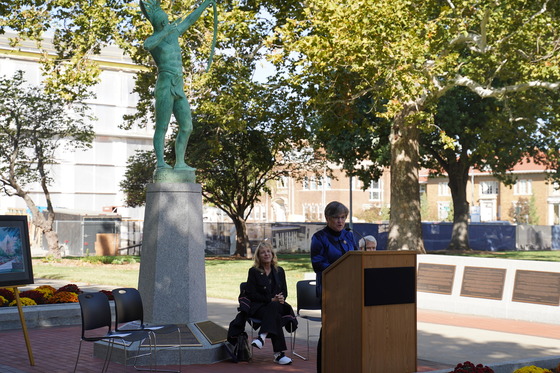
x,y
444,339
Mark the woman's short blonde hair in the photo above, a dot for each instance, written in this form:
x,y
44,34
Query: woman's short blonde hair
x,y
264,245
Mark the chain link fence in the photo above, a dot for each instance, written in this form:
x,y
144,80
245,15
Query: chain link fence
x,y
124,237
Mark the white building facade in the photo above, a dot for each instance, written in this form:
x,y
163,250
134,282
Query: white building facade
x,y
87,180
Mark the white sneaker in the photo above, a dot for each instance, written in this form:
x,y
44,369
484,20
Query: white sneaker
x,y
282,359
258,343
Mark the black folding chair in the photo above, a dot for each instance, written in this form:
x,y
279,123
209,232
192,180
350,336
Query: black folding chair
x,y
307,300
129,316
96,316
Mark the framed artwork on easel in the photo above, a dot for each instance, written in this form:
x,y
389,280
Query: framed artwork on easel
x,y
15,252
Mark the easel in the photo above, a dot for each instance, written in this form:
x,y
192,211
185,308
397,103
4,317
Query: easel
x,y
23,324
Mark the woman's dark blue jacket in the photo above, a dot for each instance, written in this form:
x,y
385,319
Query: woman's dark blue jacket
x,y
326,247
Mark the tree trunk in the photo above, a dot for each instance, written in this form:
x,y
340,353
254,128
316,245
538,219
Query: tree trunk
x,y
45,224
52,242
242,248
405,226
458,177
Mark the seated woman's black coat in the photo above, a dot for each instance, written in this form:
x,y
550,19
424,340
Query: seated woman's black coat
x,y
259,289
256,293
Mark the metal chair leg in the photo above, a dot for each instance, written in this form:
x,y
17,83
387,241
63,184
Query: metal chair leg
x,y
78,357
294,344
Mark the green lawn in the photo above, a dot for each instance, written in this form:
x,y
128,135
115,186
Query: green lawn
x,y
102,275
223,275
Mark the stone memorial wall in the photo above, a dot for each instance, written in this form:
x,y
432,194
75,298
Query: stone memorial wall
x,y
504,288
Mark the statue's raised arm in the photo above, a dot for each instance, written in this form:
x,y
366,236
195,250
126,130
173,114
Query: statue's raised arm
x,y
184,22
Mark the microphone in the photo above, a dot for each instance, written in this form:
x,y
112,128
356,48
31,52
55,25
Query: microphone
x,y
362,238
356,232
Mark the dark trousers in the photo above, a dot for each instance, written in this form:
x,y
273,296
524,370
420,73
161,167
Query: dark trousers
x,y
271,316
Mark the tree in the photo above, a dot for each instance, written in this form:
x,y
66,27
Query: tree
x,y
411,53
234,168
79,29
235,174
487,134
34,125
140,168
246,133
524,211
374,214
424,208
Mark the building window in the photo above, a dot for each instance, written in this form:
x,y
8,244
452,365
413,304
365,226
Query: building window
x,y
555,189
443,210
312,183
523,187
556,214
312,212
258,213
282,183
375,190
324,182
489,187
443,189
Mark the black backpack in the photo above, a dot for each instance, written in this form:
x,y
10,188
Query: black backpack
x,y
241,348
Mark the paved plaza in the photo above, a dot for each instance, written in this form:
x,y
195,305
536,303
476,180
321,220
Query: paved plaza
x,y
444,339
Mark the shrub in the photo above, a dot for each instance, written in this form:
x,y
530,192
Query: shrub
x,y
72,288
37,296
532,369
108,293
24,302
45,294
8,294
47,291
468,367
64,297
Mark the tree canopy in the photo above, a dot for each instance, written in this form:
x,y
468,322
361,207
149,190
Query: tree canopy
x,y
227,100
34,126
397,58
410,54
488,135
247,133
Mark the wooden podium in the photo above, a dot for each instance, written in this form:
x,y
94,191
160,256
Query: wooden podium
x,y
369,313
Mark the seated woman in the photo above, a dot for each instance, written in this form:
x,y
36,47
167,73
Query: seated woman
x,y
267,291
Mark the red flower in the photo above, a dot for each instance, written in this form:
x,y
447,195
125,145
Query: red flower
x,y
7,294
468,367
72,288
37,296
108,293
64,297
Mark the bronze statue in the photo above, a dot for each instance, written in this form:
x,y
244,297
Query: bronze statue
x,y
170,98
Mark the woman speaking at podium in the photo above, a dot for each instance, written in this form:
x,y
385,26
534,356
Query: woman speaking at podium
x,y
327,245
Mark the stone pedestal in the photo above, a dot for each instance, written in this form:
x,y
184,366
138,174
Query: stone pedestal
x,y
172,278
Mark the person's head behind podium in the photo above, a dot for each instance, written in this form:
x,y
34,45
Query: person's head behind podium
x,y
265,255
336,214
368,243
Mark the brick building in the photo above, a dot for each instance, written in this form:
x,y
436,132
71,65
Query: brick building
x,y
490,199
